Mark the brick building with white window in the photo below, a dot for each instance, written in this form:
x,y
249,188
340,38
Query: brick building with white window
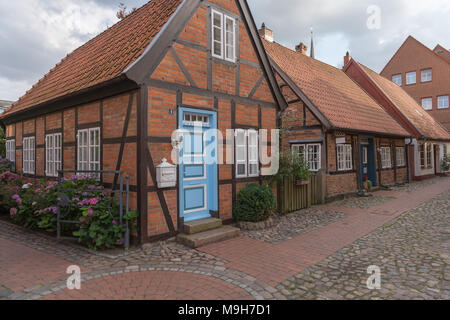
x,y
114,103
340,130
425,75
430,139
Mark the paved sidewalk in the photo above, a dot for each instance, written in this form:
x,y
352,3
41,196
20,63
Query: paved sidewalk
x,y
327,248
288,258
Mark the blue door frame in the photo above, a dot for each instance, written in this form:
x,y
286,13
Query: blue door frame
x,y
367,160
198,187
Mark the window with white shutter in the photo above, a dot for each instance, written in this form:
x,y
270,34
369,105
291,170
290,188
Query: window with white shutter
x,y
53,154
89,149
344,157
28,155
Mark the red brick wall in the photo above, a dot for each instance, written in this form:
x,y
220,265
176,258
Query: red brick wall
x,y
413,56
162,122
114,112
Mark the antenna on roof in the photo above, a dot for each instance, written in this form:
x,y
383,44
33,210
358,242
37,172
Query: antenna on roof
x,y
312,43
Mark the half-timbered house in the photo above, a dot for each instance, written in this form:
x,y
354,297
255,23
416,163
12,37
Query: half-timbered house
x,y
114,103
430,139
338,128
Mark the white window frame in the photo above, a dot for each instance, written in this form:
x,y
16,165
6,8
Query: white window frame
x,y
89,164
241,145
442,106
408,80
424,75
429,156
250,151
344,157
386,159
53,154
400,156
29,155
195,119
11,150
427,107
315,164
397,76
224,18
253,152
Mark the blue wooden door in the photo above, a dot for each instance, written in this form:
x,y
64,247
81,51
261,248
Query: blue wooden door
x,y
367,162
197,163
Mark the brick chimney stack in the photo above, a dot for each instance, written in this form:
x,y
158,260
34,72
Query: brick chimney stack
x,y
266,33
302,48
347,58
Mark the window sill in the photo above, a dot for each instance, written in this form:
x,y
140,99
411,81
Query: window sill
x,y
224,62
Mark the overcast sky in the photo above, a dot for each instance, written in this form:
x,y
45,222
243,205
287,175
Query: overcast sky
x,y
36,34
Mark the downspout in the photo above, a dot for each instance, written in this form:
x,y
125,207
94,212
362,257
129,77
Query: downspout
x,y
408,165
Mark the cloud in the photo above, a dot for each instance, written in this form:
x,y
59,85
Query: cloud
x,y
342,25
36,34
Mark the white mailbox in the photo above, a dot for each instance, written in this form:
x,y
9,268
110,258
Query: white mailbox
x,y
166,174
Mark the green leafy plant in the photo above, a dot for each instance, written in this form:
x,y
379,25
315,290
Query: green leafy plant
x,y
291,166
34,204
254,203
445,164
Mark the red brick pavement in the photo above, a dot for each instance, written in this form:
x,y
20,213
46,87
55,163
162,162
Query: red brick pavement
x,y
22,267
154,285
275,263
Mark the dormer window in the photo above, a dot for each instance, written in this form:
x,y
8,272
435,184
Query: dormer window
x,y
223,36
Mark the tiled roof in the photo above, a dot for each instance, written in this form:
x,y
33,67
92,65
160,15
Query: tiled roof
x,y
337,96
104,57
419,118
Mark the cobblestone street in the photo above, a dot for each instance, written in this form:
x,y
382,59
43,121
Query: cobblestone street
x,y
413,253
319,253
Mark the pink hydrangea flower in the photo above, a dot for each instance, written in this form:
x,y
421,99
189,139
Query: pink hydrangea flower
x,y
13,211
93,201
90,211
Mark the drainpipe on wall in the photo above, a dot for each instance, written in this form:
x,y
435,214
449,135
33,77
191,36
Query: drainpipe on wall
x,y
408,166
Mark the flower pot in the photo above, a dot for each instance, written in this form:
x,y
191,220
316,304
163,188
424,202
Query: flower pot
x,y
302,182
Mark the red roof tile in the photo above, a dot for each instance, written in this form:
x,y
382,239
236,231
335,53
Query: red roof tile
x,y
103,58
406,104
343,102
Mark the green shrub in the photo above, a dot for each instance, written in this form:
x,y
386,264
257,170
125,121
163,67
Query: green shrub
x,y
445,165
35,205
254,203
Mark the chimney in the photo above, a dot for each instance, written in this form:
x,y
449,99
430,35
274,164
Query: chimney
x,y
347,58
302,48
266,33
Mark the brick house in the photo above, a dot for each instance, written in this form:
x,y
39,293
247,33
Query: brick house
x,y
114,103
335,124
430,138
425,75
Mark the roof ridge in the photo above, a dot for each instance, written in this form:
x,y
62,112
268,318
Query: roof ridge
x,y
305,56
423,112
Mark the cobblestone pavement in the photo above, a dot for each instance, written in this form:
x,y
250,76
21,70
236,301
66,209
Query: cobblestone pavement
x,y
413,253
292,225
363,202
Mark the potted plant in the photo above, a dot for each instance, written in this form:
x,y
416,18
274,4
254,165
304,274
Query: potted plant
x,y
292,166
367,184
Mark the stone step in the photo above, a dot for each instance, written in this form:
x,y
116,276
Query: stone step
x,y
207,237
202,225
